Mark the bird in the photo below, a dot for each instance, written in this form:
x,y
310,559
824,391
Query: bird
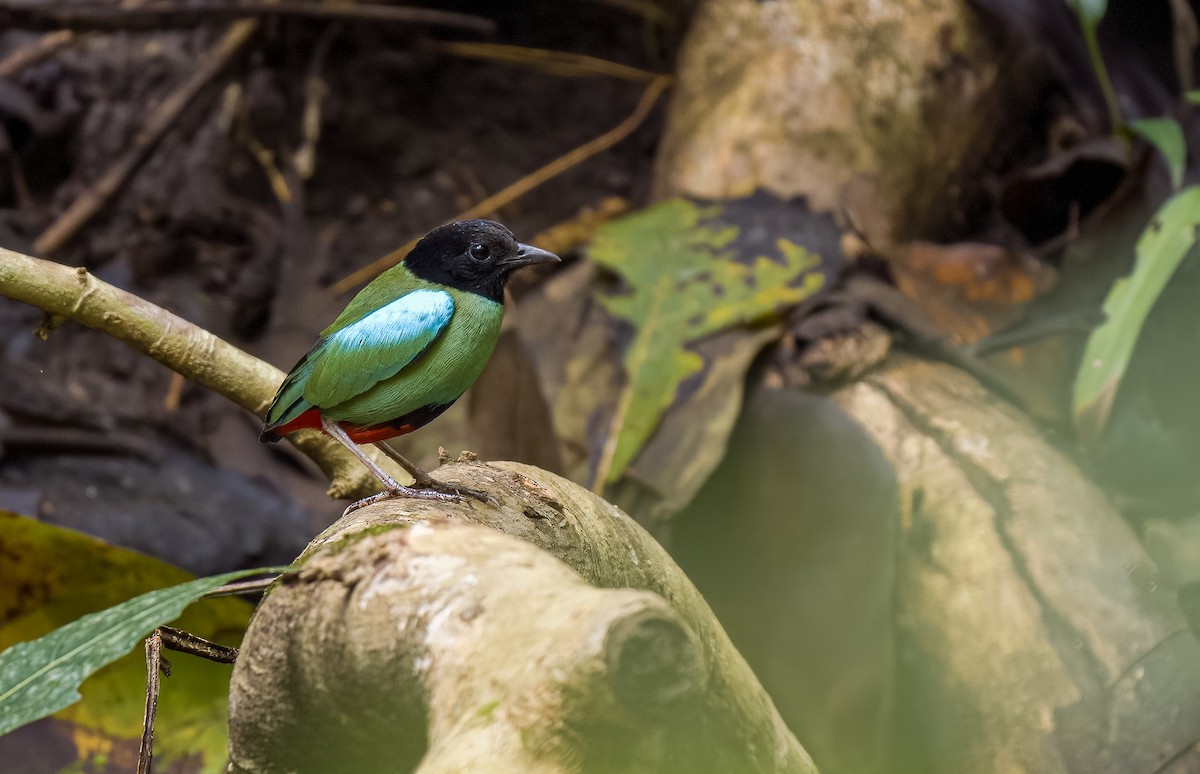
x,y
404,349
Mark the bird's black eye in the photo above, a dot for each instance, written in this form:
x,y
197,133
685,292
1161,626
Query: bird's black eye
x,y
480,252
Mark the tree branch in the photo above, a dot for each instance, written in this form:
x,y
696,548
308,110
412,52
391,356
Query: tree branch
x,y
996,518
74,294
439,646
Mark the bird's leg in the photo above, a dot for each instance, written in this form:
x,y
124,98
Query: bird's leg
x,y
423,480
392,487
420,477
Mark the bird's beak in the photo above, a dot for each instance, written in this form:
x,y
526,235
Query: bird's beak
x,y
528,255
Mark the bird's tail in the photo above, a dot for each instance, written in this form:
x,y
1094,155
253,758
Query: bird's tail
x,y
289,404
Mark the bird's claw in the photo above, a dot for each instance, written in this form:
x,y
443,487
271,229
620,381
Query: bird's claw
x,y
458,491
364,502
429,493
412,493
429,483
482,497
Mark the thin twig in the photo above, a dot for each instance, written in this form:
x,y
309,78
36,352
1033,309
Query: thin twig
x,y
526,184
564,237
154,662
304,160
73,439
46,46
242,587
561,63
185,642
31,54
181,642
174,393
266,159
179,345
91,200
159,17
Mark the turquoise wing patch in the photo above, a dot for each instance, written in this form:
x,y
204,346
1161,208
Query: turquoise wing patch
x,y
356,358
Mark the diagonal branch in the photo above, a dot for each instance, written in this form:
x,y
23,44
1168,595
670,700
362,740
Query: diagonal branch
x,y
74,294
183,642
653,91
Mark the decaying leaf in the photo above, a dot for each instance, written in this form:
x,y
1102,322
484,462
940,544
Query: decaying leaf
x,y
579,362
678,261
970,289
52,576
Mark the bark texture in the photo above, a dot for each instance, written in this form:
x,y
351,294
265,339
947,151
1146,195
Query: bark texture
x,y
407,642
1033,631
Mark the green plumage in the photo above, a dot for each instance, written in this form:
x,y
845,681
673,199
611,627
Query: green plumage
x,y
405,348
389,353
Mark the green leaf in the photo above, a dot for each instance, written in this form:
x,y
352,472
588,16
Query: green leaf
x,y
684,285
1169,237
41,677
50,576
1090,12
1166,135
1192,97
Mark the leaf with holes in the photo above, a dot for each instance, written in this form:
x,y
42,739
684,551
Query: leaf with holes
x,y
1169,237
53,576
41,677
678,262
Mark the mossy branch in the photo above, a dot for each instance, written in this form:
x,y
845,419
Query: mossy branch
x,y
74,294
415,639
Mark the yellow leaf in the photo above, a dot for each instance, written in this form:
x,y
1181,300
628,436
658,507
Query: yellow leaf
x,y
684,282
50,576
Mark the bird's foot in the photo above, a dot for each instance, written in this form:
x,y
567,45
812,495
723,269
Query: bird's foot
x,y
423,481
429,483
441,487
399,491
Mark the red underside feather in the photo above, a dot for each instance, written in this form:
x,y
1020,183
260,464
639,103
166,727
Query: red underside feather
x,y
311,420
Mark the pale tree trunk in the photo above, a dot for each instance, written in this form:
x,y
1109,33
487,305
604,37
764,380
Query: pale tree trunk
x,y
410,642
1036,633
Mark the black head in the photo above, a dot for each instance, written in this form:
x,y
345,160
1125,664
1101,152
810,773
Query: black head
x,y
473,255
